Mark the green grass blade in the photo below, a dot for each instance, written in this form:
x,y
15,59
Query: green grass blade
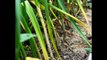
x,y
83,12
17,29
33,45
36,26
50,26
23,50
77,20
53,14
44,27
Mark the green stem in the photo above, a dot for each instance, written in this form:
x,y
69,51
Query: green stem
x,y
36,26
49,26
17,29
44,27
33,44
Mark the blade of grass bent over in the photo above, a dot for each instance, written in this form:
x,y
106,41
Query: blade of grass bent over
x,y
74,18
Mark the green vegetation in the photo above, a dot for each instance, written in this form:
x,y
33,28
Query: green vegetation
x,y
36,19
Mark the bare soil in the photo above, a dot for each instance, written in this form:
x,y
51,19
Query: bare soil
x,y
73,46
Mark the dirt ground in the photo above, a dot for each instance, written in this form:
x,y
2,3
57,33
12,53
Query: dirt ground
x,y
73,46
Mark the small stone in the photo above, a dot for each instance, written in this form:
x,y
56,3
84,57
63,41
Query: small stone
x,y
65,57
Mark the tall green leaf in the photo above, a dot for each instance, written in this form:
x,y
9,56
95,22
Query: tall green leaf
x,y
50,25
44,28
32,42
17,29
36,26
